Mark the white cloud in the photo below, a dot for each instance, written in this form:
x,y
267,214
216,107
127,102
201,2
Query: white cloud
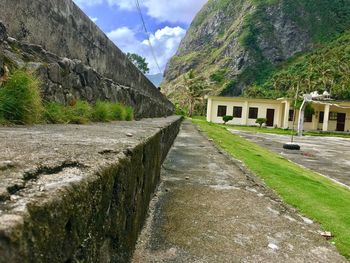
x,y
93,19
174,11
124,38
164,41
163,10
88,2
123,4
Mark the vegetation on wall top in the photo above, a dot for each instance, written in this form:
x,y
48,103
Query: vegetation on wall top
x,y
21,103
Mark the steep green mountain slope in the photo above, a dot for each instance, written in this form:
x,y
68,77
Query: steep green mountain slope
x,y
237,44
324,69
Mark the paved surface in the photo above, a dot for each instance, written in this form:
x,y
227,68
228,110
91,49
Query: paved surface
x,y
208,210
329,156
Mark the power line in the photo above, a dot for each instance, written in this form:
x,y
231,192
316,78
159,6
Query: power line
x,y
148,34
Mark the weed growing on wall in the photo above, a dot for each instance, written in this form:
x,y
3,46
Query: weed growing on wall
x,y
20,100
21,103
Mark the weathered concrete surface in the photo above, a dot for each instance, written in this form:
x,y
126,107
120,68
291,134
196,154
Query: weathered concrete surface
x,y
326,155
78,193
220,214
65,80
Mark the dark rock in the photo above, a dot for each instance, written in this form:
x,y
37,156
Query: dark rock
x,y
54,72
34,66
3,32
2,70
14,58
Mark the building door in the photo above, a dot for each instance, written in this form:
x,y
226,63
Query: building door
x,y
341,121
270,117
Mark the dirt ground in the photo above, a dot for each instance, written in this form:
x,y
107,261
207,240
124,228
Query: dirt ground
x,y
209,209
329,156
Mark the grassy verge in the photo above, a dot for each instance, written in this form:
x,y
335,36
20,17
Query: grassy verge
x,y
256,129
316,197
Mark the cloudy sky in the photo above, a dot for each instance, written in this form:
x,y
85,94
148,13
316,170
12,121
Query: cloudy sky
x,y
167,22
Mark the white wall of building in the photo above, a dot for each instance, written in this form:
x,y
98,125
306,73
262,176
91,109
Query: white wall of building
x,y
281,116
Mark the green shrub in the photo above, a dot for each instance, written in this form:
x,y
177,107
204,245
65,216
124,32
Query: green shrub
x,y
80,113
181,110
55,113
2,120
20,100
103,111
261,121
118,112
129,113
227,118
218,76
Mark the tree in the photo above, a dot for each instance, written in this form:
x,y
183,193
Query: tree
x,y
261,121
195,86
227,119
139,62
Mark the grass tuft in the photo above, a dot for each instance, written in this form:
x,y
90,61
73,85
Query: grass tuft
x,y
118,112
21,103
80,113
20,100
55,113
102,111
129,114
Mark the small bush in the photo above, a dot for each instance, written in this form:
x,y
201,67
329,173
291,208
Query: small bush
x,y
20,100
129,114
227,118
55,113
2,120
261,121
103,111
181,110
118,112
218,76
80,113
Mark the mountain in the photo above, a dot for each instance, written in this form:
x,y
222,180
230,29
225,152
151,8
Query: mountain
x,y
156,79
245,43
326,68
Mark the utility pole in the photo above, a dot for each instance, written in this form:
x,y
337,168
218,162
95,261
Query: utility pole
x,y
307,98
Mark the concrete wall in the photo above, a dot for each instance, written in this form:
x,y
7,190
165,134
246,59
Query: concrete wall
x,y
83,195
60,27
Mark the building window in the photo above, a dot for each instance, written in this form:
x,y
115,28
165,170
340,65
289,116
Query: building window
x,y
308,116
237,112
222,111
291,115
321,118
253,113
333,116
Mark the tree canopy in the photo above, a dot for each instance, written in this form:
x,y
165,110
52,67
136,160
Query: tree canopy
x,y
139,61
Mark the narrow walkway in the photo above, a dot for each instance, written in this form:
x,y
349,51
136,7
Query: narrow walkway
x,y
208,210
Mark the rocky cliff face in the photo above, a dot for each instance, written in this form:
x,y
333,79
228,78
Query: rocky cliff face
x,y
242,42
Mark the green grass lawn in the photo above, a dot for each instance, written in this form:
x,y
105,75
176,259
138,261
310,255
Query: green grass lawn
x,y
280,131
313,195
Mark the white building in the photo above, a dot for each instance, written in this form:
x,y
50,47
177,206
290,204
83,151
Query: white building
x,y
328,115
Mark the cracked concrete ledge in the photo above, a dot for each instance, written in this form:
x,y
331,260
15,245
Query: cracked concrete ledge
x,y
73,193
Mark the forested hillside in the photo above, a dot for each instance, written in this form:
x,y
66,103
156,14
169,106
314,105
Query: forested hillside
x,y
263,48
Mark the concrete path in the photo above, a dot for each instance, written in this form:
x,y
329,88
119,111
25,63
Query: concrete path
x,y
329,156
208,210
